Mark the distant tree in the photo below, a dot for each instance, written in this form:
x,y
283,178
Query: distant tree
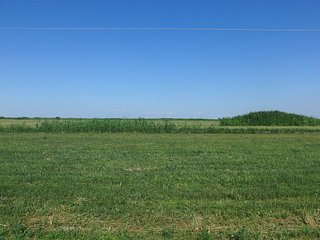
x,y
270,118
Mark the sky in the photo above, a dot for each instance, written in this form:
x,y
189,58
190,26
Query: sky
x,y
157,73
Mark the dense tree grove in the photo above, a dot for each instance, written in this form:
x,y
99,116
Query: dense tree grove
x,y
270,118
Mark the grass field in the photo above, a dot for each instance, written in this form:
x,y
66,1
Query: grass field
x,y
159,186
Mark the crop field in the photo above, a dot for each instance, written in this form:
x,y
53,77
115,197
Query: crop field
x,y
180,122
90,185
141,126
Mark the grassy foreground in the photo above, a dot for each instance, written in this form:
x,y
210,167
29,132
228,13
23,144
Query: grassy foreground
x,y
159,186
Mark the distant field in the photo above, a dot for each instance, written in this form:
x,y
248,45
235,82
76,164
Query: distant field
x,y
28,122
159,186
141,125
180,122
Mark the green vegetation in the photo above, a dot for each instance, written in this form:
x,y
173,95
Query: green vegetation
x,y
139,126
159,186
270,118
60,179
106,125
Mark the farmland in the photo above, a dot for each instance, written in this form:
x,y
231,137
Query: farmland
x,y
132,185
142,126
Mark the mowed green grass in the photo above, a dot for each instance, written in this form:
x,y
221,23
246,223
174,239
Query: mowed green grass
x,y
159,186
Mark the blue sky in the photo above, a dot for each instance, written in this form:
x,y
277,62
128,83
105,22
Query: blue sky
x,y
188,74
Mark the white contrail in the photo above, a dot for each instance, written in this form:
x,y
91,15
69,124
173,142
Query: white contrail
x,y
165,29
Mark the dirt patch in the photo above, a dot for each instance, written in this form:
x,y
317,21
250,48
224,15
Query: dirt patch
x,y
310,221
139,169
